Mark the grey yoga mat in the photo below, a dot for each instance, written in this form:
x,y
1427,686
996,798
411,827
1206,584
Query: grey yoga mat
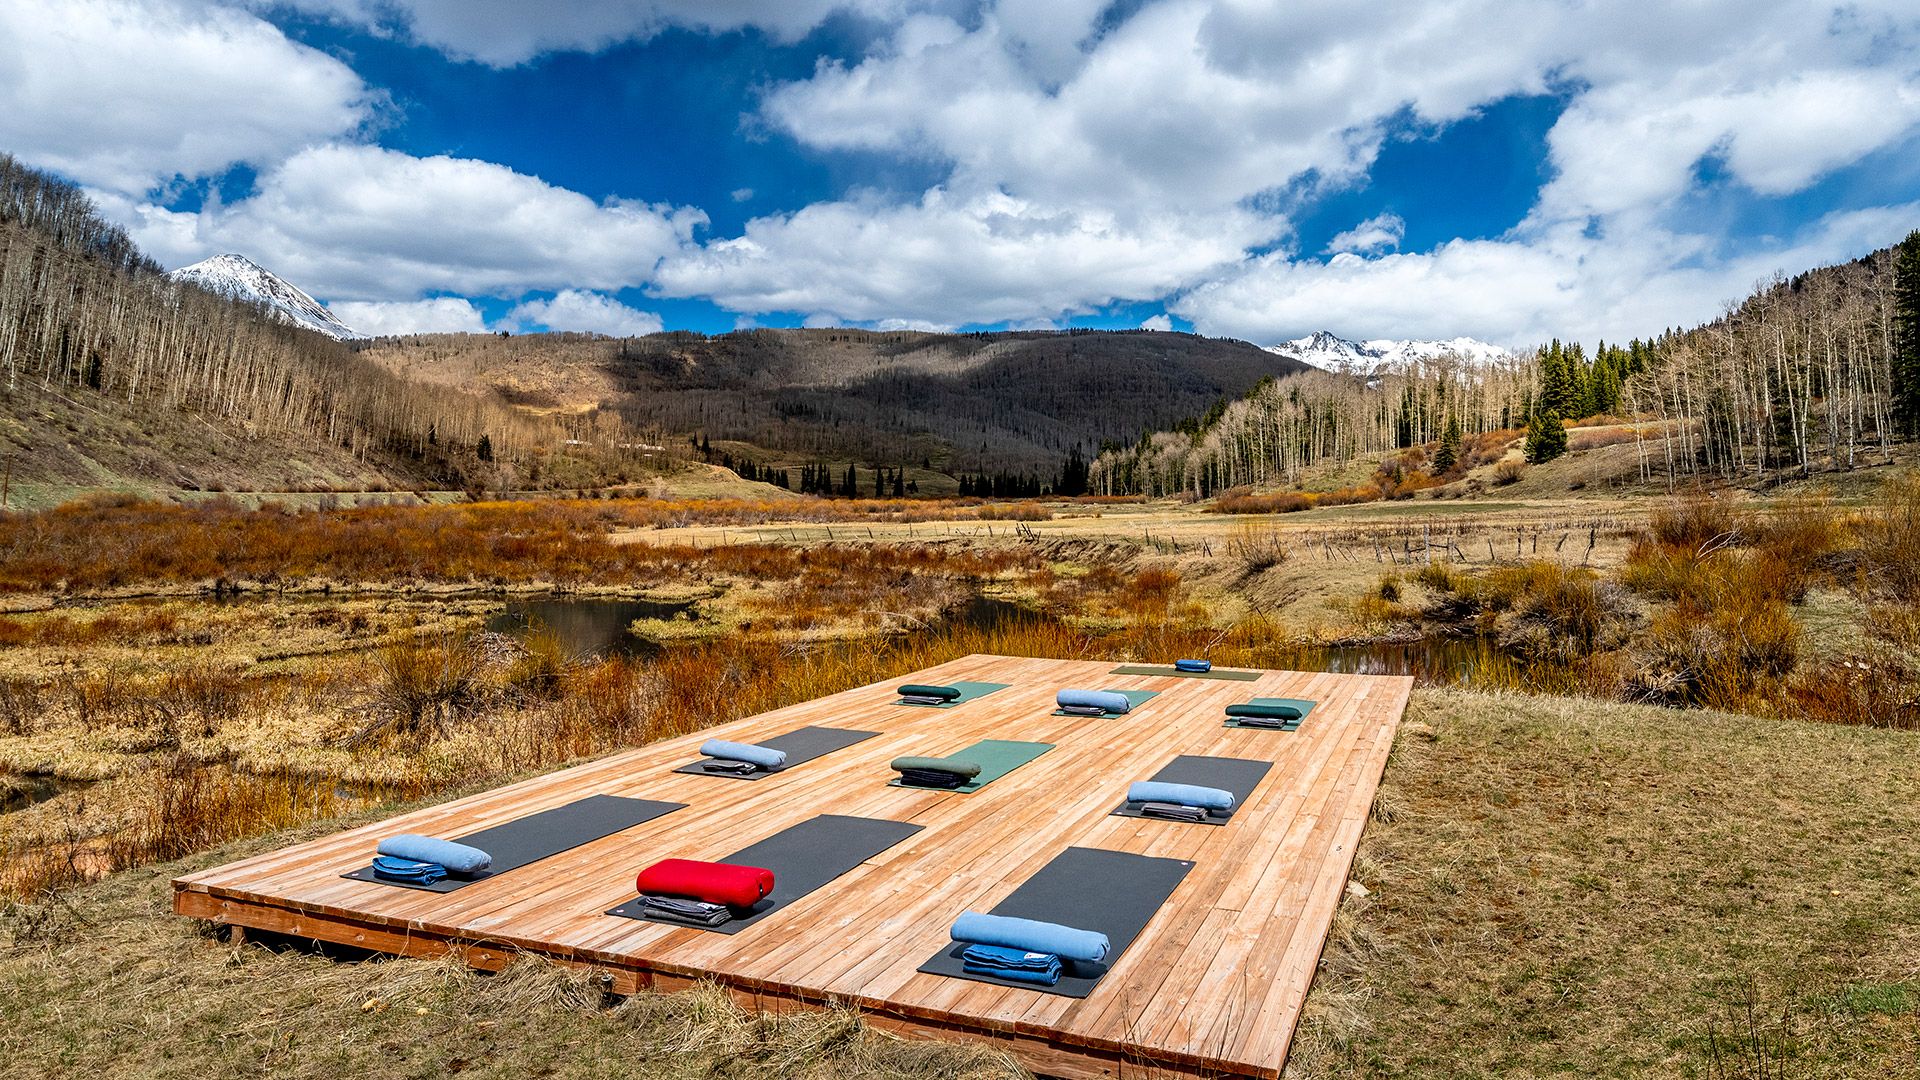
x,y
803,858
1113,892
1238,775
800,747
538,836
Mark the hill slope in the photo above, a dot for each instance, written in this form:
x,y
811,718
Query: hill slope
x,y
1015,401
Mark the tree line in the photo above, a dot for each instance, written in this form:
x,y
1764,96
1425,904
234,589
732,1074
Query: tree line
x,y
82,309
1818,371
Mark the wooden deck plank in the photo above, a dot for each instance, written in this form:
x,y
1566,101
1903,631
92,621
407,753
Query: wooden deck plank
x,y
1213,985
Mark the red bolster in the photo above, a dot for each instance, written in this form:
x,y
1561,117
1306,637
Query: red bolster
x,y
713,882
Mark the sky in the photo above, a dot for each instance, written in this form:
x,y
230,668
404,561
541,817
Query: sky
x,y
1511,170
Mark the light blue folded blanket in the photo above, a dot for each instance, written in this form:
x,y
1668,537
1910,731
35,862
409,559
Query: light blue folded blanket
x,y
1183,794
1030,935
1016,964
1097,699
737,751
457,858
1199,667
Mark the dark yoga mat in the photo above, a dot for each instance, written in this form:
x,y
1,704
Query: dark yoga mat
x,y
968,692
801,746
1113,892
802,858
1137,697
996,758
1156,669
1238,775
537,836
1305,707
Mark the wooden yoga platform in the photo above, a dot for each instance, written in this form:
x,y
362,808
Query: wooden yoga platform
x,y
1212,987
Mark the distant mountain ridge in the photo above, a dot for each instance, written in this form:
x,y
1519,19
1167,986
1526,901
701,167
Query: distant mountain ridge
x,y
240,278
1331,352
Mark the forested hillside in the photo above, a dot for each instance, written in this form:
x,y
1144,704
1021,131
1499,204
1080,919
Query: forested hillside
x,y
95,343
1017,402
1820,371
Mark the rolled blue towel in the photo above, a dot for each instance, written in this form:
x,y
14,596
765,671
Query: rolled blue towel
x,y
739,751
1099,699
1184,794
1029,935
1199,666
1016,964
457,858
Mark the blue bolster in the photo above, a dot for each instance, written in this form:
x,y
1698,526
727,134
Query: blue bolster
x,y
1193,665
1184,794
458,858
739,751
1098,699
1029,935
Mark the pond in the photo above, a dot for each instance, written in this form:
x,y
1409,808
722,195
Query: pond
x,y
589,627
597,627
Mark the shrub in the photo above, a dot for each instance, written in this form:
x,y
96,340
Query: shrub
x,y
1508,472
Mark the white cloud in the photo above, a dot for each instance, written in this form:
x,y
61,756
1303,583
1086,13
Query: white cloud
x,y
1202,113
125,94
950,261
1375,233
439,315
361,222
1520,291
507,32
1157,322
588,312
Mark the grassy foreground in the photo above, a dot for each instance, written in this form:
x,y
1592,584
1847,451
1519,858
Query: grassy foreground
x,y
1554,886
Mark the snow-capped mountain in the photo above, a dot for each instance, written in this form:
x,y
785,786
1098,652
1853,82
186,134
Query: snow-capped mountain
x,y
1330,352
242,279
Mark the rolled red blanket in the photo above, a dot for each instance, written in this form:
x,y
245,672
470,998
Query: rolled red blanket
x,y
715,883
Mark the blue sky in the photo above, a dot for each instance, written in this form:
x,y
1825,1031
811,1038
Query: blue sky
x,y
1490,168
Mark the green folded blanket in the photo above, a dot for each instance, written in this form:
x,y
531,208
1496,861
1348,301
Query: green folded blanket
x,y
944,693
956,766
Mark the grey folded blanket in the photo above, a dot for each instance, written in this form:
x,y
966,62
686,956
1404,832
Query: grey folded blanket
x,y
922,699
933,778
679,909
1173,811
1265,721
738,768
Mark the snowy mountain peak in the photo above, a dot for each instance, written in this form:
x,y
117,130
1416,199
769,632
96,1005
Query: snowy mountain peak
x,y
1331,352
240,278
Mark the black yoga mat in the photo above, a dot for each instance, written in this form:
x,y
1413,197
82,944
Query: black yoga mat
x,y
1113,892
1238,775
1169,669
802,858
537,836
801,746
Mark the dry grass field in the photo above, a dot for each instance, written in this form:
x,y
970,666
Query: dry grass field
x,y
1563,875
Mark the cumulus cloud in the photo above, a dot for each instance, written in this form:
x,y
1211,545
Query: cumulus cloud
x,y
124,94
949,260
438,315
1157,322
1234,112
589,312
507,32
364,223
1373,234
1520,291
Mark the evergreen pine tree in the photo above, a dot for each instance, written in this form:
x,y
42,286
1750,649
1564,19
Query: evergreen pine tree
x,y
1449,453
1546,439
1906,335
484,449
